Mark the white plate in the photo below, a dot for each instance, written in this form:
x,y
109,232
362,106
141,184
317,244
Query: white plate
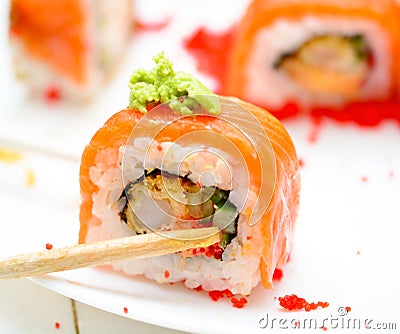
x,y
347,233
350,195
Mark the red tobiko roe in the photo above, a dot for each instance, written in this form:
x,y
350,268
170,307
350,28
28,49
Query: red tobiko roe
x,y
292,302
228,293
210,50
57,325
278,274
151,105
215,295
290,109
214,251
52,94
366,113
49,246
237,302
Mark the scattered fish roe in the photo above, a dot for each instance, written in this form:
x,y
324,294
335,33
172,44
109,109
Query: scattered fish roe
x,y
49,246
166,274
348,309
278,274
52,94
214,251
125,310
301,162
228,293
57,325
236,301
239,302
215,295
292,302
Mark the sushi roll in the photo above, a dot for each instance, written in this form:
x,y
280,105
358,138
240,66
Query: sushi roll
x,y
180,157
325,57
68,48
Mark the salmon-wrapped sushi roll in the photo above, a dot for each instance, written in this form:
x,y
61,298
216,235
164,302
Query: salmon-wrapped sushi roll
x,y
329,57
190,162
68,48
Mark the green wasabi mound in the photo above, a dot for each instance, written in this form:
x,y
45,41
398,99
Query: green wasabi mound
x,y
163,84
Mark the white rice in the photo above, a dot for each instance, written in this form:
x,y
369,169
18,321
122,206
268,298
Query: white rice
x,y
266,85
239,269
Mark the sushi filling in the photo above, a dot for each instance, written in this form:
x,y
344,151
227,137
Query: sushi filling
x,y
180,203
329,64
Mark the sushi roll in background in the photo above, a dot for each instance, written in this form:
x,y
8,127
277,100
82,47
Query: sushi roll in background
x,y
336,58
68,48
180,157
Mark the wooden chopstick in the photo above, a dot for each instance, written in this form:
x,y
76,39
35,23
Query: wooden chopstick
x,y
85,255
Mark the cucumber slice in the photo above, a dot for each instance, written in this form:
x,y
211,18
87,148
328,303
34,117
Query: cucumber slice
x,y
219,197
226,240
225,218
